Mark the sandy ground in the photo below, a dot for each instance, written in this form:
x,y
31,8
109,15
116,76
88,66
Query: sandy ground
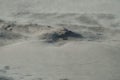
x,y
59,40
74,60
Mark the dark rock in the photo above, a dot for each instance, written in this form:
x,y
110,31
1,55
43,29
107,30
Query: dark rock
x,y
64,34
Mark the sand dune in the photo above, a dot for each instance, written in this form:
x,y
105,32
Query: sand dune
x,y
87,51
89,27
59,40
75,60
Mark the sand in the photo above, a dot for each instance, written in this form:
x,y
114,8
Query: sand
x,y
59,40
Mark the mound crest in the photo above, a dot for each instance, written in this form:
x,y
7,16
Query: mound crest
x,y
60,34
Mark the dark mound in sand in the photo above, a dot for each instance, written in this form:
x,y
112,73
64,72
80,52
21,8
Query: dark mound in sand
x,y
61,34
9,35
6,78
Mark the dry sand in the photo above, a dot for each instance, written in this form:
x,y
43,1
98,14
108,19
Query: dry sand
x,y
59,40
